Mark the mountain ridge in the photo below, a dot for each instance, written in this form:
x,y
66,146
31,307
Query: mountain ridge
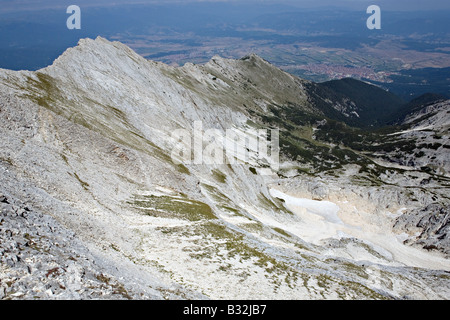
x,y
88,142
347,100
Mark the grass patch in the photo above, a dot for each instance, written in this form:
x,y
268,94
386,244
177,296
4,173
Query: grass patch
x,y
117,287
276,205
173,207
84,184
230,209
106,120
282,232
219,176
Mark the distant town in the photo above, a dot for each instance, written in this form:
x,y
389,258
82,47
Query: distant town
x,y
333,72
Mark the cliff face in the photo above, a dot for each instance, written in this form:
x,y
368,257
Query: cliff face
x,y
94,205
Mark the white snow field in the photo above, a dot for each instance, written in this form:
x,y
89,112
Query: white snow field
x,y
324,219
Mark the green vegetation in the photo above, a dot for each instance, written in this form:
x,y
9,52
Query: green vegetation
x,y
84,184
374,105
117,287
415,105
362,140
106,120
236,246
222,201
326,145
173,207
276,205
230,209
216,194
219,176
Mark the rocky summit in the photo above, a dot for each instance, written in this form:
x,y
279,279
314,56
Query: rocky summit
x,y
94,204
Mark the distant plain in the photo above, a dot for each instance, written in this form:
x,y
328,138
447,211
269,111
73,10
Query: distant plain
x,y
410,55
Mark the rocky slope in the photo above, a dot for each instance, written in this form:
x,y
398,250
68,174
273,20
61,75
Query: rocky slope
x,y
43,260
86,146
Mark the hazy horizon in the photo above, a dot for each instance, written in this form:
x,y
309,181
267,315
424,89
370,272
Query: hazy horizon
x,y
318,40
401,5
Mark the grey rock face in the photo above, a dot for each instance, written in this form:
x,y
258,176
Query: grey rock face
x,y
40,259
432,224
